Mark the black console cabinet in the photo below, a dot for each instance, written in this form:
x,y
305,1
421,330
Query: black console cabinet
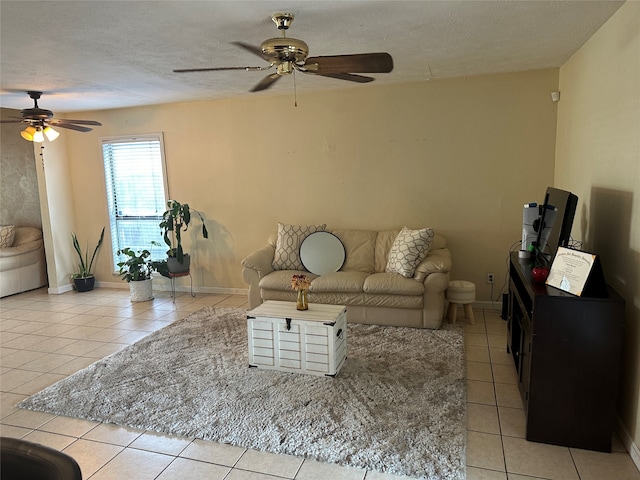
x,y
567,355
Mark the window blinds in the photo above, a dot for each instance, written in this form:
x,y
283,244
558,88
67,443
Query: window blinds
x,y
135,181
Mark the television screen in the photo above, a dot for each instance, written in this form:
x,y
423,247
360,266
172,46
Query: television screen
x,y
565,204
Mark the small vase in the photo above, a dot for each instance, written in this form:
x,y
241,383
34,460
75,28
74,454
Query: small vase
x,y
302,303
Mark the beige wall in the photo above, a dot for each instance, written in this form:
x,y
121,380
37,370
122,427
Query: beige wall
x,y
460,155
598,158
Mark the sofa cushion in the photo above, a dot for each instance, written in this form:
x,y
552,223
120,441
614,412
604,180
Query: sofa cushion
x,y
359,246
348,282
7,235
384,240
392,284
26,235
287,255
281,279
409,249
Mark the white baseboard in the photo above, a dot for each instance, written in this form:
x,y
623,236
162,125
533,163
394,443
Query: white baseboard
x,y
629,444
59,290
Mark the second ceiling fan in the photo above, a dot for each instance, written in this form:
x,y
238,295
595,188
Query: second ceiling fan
x,y
289,54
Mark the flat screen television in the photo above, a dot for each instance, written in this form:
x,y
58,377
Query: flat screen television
x,y
565,204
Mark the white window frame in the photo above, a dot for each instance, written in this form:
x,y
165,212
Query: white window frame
x,y
158,252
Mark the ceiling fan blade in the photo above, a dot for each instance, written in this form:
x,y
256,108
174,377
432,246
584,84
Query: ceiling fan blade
x,y
359,62
348,76
216,69
61,121
266,82
70,126
11,121
251,49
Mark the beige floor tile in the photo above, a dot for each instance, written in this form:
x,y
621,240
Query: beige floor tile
x,y
598,465
479,371
160,443
213,452
477,354
504,374
269,463
80,347
512,421
483,418
475,340
91,456
497,341
16,377
38,383
500,355
484,450
313,470
14,432
475,473
8,403
508,395
480,392
17,358
478,327
74,427
538,459
27,419
237,474
134,464
78,363
53,440
113,434
515,476
183,468
48,362
497,328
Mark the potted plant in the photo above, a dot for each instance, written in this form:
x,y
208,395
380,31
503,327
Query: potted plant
x,y
174,222
136,269
84,280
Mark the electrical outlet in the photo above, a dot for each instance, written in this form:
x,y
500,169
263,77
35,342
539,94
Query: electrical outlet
x,y
489,277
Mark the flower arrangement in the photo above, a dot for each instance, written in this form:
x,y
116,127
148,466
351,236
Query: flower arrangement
x,y
300,282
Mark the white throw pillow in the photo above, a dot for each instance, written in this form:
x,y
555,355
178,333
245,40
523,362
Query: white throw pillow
x,y
7,235
287,256
409,249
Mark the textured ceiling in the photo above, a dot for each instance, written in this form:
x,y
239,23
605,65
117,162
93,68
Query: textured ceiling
x,y
88,55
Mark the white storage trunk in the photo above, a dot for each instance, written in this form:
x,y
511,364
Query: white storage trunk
x,y
312,341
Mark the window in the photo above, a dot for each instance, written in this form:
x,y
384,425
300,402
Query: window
x,y
136,192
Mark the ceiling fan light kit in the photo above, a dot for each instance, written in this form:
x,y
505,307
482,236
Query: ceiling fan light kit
x,y
290,54
39,121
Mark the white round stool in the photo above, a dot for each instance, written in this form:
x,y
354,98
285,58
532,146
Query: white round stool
x,y
461,292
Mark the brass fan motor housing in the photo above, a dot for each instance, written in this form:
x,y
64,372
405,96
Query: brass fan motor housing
x,y
285,49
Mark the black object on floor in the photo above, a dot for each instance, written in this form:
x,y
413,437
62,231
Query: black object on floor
x,y
22,460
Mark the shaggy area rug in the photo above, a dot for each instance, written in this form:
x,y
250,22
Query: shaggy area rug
x,y
398,405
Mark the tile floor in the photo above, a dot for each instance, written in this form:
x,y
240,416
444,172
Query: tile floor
x,y
47,337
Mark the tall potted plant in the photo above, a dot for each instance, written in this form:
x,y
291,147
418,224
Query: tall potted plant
x,y
175,221
136,269
83,279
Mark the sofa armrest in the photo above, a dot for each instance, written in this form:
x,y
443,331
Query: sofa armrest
x,y
260,260
437,261
21,249
256,266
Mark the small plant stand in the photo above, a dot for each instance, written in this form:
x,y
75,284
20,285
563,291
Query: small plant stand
x,y
173,277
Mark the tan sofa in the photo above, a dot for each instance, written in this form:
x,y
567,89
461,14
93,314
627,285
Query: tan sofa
x,y
372,295
22,266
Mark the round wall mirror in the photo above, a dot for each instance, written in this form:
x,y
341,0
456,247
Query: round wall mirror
x,y
322,252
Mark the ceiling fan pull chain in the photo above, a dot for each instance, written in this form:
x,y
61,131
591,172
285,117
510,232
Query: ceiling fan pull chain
x,y
295,90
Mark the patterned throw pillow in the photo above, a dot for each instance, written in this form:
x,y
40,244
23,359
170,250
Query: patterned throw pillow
x,y
409,249
7,235
287,256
